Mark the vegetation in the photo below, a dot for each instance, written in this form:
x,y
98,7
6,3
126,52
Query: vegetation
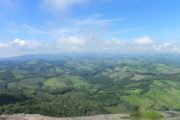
x,y
89,86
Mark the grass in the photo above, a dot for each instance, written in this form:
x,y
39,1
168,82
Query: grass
x,y
161,68
140,77
134,92
30,83
54,83
148,115
116,74
65,81
116,109
151,115
161,95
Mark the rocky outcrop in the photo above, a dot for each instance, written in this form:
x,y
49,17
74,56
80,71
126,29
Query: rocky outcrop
x,y
170,115
40,117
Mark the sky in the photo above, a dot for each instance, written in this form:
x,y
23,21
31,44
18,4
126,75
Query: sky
x,y
80,26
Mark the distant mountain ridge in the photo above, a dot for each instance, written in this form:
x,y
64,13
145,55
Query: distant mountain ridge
x,y
65,56
37,56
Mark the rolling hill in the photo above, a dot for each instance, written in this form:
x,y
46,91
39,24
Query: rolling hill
x,y
84,85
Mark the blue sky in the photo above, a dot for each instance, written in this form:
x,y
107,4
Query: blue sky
x,y
55,26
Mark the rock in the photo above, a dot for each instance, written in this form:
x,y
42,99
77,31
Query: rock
x,y
40,117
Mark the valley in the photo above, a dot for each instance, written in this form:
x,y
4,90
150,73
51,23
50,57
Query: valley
x,y
85,86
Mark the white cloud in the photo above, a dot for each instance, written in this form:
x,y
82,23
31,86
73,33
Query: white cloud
x,y
72,41
96,20
75,43
92,26
165,47
143,41
62,5
33,30
114,42
25,43
4,45
19,42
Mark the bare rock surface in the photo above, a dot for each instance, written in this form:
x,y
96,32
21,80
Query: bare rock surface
x,y
40,117
170,115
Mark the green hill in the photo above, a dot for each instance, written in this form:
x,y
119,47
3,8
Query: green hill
x,y
76,87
